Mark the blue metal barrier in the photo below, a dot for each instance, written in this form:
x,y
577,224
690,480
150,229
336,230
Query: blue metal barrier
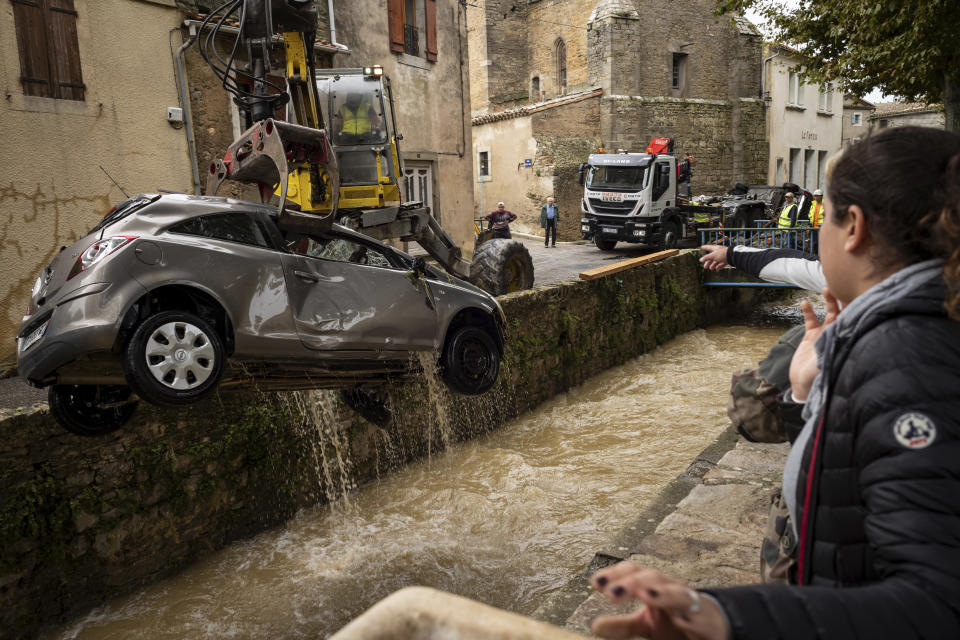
x,y
763,236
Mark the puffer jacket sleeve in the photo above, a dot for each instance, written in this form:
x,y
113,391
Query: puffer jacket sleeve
x,y
908,479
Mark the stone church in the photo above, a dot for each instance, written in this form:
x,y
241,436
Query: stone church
x,y
553,80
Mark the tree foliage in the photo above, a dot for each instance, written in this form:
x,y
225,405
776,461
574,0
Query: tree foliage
x,y
907,48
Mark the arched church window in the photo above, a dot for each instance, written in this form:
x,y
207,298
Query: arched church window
x,y
560,49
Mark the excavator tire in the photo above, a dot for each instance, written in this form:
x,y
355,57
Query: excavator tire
x,y
502,266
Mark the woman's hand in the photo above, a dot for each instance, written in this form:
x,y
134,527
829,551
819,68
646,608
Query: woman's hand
x,y
673,610
714,257
803,367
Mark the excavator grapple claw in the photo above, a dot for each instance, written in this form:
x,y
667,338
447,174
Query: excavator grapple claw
x,y
264,154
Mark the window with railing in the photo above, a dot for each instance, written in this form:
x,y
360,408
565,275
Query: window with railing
x,y
411,40
409,21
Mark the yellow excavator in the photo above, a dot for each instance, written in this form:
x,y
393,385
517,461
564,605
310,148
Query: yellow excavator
x,y
345,169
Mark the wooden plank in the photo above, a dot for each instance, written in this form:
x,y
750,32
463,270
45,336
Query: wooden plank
x,y
599,272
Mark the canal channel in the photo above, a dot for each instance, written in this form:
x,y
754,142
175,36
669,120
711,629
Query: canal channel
x,y
505,519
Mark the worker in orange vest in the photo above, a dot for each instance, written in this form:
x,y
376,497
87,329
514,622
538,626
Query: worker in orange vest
x,y
816,208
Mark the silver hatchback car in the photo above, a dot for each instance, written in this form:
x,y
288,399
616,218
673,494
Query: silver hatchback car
x,y
171,295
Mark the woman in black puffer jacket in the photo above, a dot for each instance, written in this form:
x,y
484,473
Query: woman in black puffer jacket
x,y
873,480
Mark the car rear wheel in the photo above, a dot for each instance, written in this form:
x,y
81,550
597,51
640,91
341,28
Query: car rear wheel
x,y
470,361
174,358
604,244
91,410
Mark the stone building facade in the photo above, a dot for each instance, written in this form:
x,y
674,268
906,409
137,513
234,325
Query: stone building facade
x,y
662,68
804,122
856,112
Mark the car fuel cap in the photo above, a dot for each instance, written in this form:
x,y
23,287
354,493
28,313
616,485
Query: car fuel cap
x,y
148,252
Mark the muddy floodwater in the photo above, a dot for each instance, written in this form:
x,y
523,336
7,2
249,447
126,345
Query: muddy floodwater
x,y
505,519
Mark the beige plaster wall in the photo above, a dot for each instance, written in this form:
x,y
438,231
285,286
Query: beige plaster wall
x,y
52,189
432,101
509,142
801,126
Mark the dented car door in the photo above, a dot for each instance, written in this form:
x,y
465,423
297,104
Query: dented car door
x,y
348,295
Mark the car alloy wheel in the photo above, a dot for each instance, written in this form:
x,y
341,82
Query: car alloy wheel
x,y
174,358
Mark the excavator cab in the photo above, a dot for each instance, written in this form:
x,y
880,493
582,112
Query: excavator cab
x,y
359,108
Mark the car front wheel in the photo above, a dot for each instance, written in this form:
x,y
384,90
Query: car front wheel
x,y
174,358
91,410
471,361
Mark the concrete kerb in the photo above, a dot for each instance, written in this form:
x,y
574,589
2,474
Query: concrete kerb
x,y
562,603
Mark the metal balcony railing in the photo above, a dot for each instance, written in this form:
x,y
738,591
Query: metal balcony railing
x,y
411,40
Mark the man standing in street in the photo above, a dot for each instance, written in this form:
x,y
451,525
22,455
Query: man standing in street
x,y
500,220
816,209
787,222
548,221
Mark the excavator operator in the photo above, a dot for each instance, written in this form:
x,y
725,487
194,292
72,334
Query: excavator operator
x,y
356,121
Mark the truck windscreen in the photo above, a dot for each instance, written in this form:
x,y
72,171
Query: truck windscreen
x,y
615,178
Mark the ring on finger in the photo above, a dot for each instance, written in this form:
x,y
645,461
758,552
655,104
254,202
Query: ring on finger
x,y
694,602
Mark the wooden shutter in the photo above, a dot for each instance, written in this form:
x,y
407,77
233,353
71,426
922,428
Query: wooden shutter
x,y
431,28
64,50
395,24
32,43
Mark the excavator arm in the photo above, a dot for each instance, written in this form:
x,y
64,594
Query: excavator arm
x,y
271,152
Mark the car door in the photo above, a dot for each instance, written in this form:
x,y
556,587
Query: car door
x,y
661,197
347,294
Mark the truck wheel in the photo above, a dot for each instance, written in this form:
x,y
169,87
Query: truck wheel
x,y
174,358
471,361
91,410
604,244
669,236
502,266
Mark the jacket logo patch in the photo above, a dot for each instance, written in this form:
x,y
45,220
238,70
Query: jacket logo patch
x,y
915,430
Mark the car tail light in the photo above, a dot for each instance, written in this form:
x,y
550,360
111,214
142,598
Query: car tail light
x,y
98,251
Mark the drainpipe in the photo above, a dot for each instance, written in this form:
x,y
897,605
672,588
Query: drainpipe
x,y
185,101
333,27
763,75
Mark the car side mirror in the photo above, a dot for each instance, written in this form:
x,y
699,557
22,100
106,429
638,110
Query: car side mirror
x,y
420,266
581,172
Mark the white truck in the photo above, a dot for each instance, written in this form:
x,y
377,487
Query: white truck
x,y
633,197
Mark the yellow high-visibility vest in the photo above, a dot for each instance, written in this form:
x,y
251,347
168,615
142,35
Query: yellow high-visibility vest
x,y
356,122
784,222
816,213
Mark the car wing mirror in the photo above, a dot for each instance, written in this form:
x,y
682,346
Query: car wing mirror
x,y
581,172
419,266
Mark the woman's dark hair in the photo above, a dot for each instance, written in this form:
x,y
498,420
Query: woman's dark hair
x,y
907,182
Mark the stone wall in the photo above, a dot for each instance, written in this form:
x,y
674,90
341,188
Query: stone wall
x,y
547,22
700,127
86,519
